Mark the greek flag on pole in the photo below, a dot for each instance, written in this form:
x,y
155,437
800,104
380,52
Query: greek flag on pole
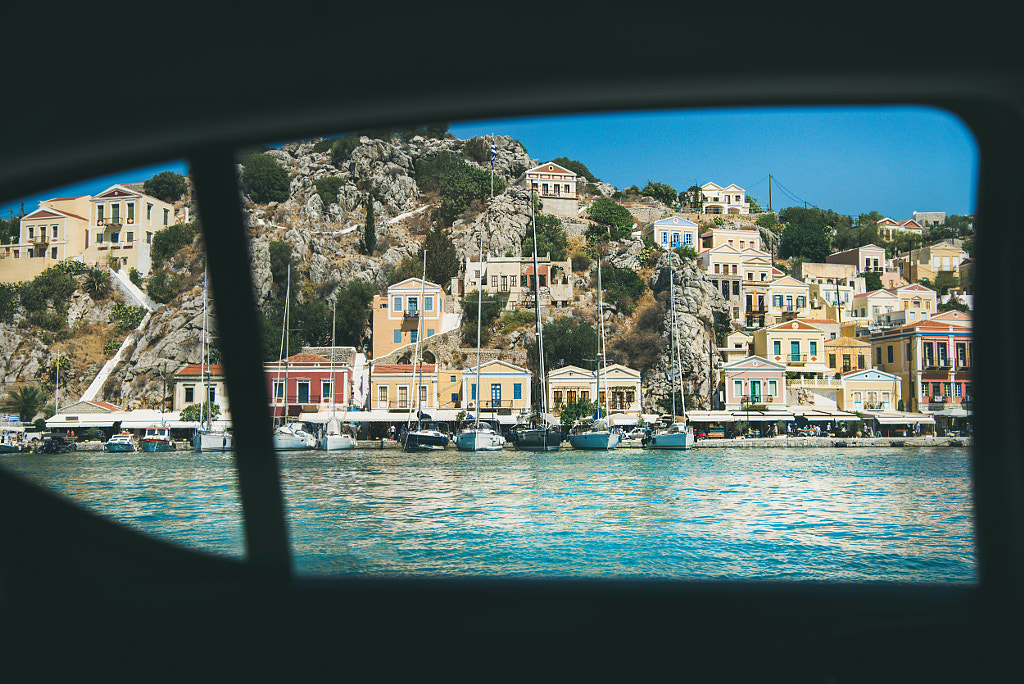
x,y
494,152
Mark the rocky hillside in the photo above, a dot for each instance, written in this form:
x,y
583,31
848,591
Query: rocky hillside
x,y
324,237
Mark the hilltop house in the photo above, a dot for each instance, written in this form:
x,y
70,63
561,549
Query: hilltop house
x,y
555,185
728,200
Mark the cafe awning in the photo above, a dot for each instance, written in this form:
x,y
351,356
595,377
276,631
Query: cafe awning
x,y
897,418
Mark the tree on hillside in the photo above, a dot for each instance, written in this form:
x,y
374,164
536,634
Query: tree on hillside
x,y
265,180
442,259
281,258
490,309
692,197
97,283
368,243
26,401
166,185
872,280
663,193
609,219
551,238
808,232
944,280
569,341
456,182
168,241
353,312
576,167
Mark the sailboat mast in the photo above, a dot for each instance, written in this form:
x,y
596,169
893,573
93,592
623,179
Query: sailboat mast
x,y
419,326
672,307
287,348
540,324
205,361
604,358
479,320
334,323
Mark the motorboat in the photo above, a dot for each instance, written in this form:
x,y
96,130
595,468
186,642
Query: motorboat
x,y
157,438
676,436
12,439
337,437
293,437
120,443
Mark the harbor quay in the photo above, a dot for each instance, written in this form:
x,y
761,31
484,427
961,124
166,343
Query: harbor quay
x,y
739,443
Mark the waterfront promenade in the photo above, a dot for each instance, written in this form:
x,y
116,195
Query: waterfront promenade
x,y
751,443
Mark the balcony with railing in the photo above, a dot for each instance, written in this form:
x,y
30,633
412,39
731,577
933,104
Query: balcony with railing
x,y
814,383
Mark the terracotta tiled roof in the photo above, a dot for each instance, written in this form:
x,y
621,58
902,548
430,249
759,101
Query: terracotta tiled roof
x,y
197,369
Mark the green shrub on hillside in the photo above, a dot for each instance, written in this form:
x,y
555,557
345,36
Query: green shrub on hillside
x,y
163,286
168,241
264,179
327,188
457,182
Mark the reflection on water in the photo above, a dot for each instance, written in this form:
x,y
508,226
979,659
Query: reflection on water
x,y
802,514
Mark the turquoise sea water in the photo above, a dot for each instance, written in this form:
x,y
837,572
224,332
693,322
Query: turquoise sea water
x,y
864,514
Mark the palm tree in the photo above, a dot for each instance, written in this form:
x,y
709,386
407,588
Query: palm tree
x,y
97,283
25,401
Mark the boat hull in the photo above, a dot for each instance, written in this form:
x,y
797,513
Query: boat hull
x,y
213,441
154,446
599,440
337,443
479,440
420,440
539,439
679,440
119,448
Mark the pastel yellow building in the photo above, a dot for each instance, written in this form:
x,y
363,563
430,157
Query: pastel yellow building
x,y
786,298
511,280
845,354
504,389
397,316
56,231
122,223
798,345
393,387
619,383
740,237
555,185
869,390
928,262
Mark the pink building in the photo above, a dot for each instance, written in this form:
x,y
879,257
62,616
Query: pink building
x,y
755,381
305,383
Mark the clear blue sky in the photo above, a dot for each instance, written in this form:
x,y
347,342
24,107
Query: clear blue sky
x,y
853,160
91,186
893,160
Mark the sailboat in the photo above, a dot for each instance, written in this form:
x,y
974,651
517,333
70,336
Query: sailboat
x,y
598,436
336,437
426,436
208,438
536,434
290,436
479,436
679,435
